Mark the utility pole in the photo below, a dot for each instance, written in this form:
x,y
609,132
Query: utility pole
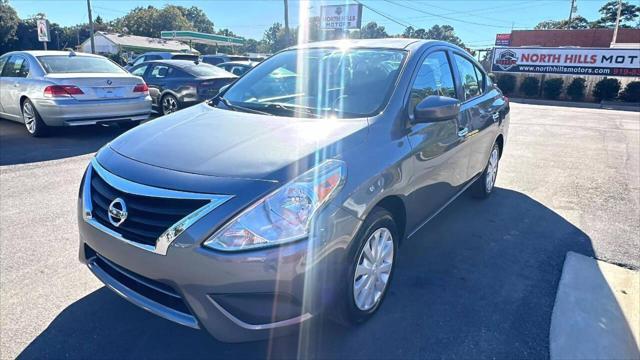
x,y
93,45
286,22
573,5
615,31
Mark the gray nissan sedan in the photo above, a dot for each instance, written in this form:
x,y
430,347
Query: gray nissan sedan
x,y
289,194
61,88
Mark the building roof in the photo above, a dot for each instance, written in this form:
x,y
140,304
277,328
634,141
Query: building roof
x,y
581,37
143,43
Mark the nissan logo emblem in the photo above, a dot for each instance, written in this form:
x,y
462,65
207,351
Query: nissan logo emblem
x,y
109,82
117,212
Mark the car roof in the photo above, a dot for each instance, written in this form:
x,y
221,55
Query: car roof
x,y
167,53
239,62
52,52
177,62
386,43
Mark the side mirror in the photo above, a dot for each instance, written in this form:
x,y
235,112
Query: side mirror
x,y
436,108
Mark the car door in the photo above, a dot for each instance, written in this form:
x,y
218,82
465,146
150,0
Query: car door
x,y
157,78
14,74
439,157
3,60
480,111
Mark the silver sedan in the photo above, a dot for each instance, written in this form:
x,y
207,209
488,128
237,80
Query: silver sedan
x,y
62,88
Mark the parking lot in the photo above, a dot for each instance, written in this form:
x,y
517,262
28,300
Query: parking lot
x,y
479,281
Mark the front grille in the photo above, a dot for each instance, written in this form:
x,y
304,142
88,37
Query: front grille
x,y
148,217
156,291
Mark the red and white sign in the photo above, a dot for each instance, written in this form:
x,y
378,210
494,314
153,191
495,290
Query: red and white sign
x,y
578,61
503,39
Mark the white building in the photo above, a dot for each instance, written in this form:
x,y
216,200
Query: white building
x,y
111,43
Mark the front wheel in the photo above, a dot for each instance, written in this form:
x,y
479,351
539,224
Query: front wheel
x,y
372,267
484,185
32,120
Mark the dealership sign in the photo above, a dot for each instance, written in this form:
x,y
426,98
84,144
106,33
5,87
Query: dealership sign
x,y
333,17
503,39
570,61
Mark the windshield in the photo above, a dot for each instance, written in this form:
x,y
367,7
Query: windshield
x,y
343,83
78,64
203,69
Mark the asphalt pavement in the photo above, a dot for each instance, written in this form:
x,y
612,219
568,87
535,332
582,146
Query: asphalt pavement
x,y
479,281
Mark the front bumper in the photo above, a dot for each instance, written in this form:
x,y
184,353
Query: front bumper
x,y
72,112
241,296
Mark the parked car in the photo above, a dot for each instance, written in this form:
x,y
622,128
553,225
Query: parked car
x,y
161,55
176,84
61,88
260,209
222,58
237,67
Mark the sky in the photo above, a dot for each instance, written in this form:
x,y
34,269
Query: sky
x,y
475,21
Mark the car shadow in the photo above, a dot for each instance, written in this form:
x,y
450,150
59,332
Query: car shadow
x,y
479,281
18,147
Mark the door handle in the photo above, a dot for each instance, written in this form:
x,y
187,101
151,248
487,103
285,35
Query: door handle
x,y
463,132
16,84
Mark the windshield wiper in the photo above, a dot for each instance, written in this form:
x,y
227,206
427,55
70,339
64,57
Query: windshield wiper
x,y
293,109
233,107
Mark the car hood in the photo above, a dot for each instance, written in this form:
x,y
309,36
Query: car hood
x,y
209,141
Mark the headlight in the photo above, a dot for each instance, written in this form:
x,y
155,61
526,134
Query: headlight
x,y
284,215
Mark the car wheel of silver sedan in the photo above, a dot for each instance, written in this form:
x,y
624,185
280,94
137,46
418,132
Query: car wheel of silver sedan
x,y
32,121
373,265
169,104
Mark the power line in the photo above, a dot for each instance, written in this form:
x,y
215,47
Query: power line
x,y
384,15
446,17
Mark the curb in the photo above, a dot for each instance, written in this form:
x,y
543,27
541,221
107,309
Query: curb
x,y
609,105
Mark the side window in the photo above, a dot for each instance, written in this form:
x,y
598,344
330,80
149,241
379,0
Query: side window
x,y
140,71
139,60
3,60
160,72
17,66
152,57
471,85
434,78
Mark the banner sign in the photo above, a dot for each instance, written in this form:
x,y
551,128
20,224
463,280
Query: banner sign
x,y
341,16
503,39
43,30
569,61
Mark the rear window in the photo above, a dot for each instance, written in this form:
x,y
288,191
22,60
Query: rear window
x,y
185,57
78,64
206,70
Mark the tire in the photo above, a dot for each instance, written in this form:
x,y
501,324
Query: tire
x,y
484,185
169,104
32,120
357,308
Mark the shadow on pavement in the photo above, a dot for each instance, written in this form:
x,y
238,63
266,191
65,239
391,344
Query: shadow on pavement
x,y
479,281
18,147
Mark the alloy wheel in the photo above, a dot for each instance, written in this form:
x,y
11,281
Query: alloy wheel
x,y
29,116
169,105
373,269
492,170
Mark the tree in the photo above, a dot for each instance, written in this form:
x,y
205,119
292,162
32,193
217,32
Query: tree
x,y
373,31
198,19
274,39
609,11
577,22
9,21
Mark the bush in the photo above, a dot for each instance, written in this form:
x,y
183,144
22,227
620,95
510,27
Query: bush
x,y
576,88
507,83
631,92
530,86
606,89
552,88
